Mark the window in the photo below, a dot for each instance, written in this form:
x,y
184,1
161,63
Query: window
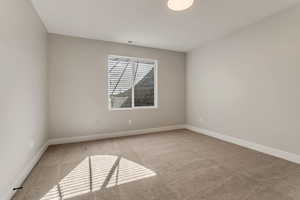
x,y
131,82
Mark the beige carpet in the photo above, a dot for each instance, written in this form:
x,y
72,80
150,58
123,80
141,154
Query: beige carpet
x,y
176,165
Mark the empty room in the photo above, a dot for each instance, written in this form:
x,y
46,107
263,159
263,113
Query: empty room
x,y
149,100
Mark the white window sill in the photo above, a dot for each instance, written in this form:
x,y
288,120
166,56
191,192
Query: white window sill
x,y
135,108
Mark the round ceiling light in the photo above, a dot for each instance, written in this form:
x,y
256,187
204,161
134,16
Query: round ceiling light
x,y
179,5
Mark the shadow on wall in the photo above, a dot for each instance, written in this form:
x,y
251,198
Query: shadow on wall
x,y
95,173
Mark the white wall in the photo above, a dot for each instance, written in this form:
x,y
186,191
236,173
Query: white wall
x,y
23,90
247,85
78,88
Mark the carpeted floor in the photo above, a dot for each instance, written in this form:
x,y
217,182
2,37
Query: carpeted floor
x,y
175,165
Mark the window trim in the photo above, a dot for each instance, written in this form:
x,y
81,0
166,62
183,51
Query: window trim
x,y
132,93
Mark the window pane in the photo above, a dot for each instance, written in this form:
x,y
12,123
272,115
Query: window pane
x,y
144,84
120,79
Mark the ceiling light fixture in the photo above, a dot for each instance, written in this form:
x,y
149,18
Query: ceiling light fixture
x,y
179,5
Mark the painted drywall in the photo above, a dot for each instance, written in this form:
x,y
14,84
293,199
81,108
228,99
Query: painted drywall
x,y
78,101
23,96
247,84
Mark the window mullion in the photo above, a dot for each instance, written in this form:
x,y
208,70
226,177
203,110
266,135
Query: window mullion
x,y
132,85
122,82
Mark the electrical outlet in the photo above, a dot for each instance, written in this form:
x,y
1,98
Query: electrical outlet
x,y
200,120
130,122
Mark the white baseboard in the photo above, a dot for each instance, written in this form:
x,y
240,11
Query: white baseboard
x,y
261,148
112,135
251,145
24,173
